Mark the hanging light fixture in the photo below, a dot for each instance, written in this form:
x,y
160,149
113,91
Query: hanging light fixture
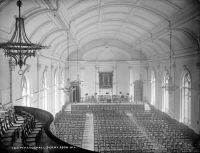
x,y
141,65
19,47
67,88
78,80
170,86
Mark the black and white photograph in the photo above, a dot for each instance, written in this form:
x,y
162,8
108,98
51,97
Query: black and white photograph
x,y
100,76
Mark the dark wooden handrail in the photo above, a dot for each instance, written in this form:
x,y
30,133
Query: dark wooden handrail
x,y
52,141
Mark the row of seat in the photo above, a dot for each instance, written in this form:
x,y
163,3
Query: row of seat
x,y
167,134
69,127
126,128
95,108
17,129
113,131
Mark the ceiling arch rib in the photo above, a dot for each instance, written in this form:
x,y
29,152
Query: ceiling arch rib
x,y
159,44
34,32
59,49
35,13
129,21
109,38
50,33
179,42
143,28
147,51
170,3
54,38
60,45
131,36
147,9
175,44
153,48
79,21
111,34
167,42
57,43
147,19
63,50
82,53
164,45
188,33
111,42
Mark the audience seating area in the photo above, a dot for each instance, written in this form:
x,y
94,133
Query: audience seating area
x,y
70,127
19,129
170,134
98,107
120,128
114,132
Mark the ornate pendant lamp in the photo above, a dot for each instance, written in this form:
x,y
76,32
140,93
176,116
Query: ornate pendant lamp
x,y
19,47
68,88
77,65
170,86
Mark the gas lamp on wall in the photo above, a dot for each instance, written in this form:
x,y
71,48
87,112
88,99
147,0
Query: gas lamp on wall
x,y
19,47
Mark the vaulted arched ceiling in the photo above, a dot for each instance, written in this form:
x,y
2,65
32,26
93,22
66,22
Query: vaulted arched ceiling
x,y
126,26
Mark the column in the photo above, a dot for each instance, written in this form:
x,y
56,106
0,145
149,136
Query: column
x,y
114,80
131,84
97,89
38,83
52,90
146,84
198,101
82,86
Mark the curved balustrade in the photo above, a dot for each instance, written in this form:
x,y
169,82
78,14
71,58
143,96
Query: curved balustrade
x,y
48,140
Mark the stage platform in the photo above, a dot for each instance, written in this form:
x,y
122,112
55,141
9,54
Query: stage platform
x,y
106,106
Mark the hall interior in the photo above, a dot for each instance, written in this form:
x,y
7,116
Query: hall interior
x,y
98,68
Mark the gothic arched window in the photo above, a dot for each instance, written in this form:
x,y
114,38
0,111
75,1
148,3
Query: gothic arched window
x,y
185,111
56,102
45,90
165,93
25,91
153,88
62,85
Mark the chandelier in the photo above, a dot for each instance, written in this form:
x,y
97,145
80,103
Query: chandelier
x,y
169,85
78,80
68,88
19,47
